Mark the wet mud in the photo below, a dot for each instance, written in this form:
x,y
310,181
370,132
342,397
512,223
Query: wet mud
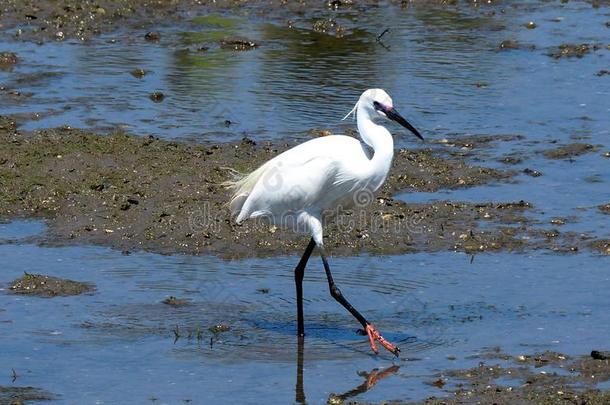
x,y
8,60
70,19
48,286
104,190
23,395
570,150
542,378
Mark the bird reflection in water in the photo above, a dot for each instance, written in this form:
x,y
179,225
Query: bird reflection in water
x,y
370,379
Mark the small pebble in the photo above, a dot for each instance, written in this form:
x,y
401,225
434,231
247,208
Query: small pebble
x,y
152,36
509,44
157,96
139,73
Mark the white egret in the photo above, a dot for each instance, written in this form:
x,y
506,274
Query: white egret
x,y
297,188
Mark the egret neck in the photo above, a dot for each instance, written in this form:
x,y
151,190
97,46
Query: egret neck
x,y
378,138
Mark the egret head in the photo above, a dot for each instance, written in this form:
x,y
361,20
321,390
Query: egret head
x,y
376,103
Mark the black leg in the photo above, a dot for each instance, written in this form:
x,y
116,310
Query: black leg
x,y
336,293
299,272
371,331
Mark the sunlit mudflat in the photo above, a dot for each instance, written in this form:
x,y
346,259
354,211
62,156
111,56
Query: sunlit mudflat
x,y
234,339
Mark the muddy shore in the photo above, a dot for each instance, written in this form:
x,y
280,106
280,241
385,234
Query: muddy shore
x,y
42,21
104,190
541,378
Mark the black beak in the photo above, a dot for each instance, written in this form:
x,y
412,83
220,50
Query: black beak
x,y
393,115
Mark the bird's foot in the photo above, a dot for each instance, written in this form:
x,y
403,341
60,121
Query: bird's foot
x,y
374,335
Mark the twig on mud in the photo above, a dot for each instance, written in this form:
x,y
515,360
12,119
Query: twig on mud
x,y
382,34
378,39
177,334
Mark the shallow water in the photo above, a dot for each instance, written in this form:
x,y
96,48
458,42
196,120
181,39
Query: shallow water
x,y
434,305
296,80
438,305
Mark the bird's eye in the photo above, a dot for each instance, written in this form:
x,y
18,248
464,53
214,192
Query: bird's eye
x,y
377,105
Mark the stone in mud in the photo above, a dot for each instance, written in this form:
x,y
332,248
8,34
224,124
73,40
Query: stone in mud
x,y
603,72
600,355
157,96
530,25
48,286
569,151
604,208
532,172
509,44
152,36
176,302
138,72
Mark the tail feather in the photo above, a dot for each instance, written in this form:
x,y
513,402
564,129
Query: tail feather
x,y
241,186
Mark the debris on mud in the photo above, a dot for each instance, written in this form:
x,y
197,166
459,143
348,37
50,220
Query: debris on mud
x,y
157,96
569,151
176,302
238,44
511,159
7,60
478,141
532,172
542,378
571,50
604,208
48,286
603,72
138,72
23,395
601,245
220,328
328,26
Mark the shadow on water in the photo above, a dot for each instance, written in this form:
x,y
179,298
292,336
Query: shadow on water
x,y
370,379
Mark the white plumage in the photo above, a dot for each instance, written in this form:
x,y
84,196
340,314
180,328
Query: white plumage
x,y
295,188
301,187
